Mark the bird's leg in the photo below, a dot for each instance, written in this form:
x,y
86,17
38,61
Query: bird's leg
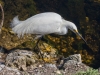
x,y
39,38
44,46
36,47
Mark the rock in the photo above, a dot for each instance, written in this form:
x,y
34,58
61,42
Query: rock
x,y
4,70
3,54
1,66
46,69
99,69
72,64
50,65
75,57
71,67
21,59
72,59
24,62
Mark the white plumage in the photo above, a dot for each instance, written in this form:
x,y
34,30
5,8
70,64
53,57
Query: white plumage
x,y
42,24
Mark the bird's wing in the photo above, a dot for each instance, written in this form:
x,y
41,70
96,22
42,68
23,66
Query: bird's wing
x,y
39,24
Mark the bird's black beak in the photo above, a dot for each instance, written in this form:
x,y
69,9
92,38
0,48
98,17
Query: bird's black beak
x,y
80,36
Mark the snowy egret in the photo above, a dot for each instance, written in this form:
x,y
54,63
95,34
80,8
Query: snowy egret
x,y
42,24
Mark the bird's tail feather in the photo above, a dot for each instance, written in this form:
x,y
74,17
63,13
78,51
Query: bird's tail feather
x,y
15,21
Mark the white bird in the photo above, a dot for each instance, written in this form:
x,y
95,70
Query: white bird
x,y
43,24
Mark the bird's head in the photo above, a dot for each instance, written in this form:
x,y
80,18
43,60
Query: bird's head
x,y
73,28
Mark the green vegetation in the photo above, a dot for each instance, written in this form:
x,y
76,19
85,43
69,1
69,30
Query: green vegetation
x,y
88,72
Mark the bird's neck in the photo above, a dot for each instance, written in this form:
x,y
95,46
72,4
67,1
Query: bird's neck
x,y
67,24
